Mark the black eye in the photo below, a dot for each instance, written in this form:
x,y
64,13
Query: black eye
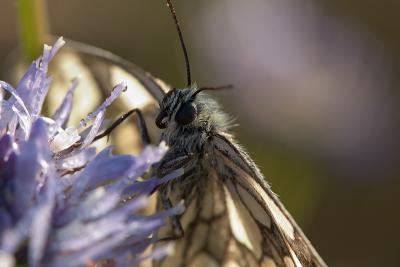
x,y
186,113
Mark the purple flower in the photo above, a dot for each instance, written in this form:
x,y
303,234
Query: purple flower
x,y
61,203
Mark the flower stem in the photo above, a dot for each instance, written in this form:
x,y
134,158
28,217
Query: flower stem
x,y
33,27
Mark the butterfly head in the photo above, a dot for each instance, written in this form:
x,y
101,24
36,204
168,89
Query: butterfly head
x,y
189,108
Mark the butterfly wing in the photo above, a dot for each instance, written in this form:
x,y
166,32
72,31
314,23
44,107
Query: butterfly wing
x,y
209,238
282,240
109,69
233,218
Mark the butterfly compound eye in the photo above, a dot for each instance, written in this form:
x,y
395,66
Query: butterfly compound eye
x,y
186,113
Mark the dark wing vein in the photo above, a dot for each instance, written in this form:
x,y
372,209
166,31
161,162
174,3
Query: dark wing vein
x,y
281,234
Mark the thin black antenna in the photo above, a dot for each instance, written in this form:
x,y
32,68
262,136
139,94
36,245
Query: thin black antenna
x,y
229,86
185,53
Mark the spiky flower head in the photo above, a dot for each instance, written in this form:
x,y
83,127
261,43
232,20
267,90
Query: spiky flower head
x,y
61,202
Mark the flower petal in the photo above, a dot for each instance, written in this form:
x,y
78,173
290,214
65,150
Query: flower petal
x,y
117,90
63,112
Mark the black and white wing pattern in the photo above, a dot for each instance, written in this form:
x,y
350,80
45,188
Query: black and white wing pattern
x,y
234,219
282,240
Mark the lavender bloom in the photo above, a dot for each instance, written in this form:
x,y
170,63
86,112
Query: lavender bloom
x,y
61,204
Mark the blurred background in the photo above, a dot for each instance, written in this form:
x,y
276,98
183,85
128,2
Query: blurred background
x,y
316,97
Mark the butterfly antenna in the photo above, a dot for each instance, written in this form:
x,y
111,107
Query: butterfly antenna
x,y
229,86
185,53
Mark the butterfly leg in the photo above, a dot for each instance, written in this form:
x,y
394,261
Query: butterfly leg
x,y
141,125
177,229
171,163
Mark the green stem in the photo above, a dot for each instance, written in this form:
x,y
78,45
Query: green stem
x,y
33,27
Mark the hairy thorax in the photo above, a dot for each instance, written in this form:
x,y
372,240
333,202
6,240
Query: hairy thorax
x,y
197,146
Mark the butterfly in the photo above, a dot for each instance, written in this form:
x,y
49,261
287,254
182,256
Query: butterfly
x,y
232,217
